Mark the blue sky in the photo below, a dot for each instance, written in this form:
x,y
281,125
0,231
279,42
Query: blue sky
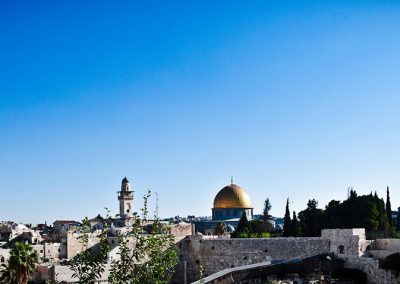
x,y
293,99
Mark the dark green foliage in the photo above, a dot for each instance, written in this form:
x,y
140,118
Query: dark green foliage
x,y
257,227
295,229
311,220
267,207
242,230
266,217
398,219
252,229
287,221
353,194
335,215
388,208
365,211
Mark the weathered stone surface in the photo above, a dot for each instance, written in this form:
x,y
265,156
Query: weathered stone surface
x,y
214,255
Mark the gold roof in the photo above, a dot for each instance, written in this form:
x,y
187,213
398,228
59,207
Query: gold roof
x,y
232,196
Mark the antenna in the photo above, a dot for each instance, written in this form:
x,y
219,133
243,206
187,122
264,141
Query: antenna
x,y
156,204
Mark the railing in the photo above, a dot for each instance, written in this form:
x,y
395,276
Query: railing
x,y
263,270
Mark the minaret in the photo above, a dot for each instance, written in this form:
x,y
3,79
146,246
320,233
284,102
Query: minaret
x,y
125,197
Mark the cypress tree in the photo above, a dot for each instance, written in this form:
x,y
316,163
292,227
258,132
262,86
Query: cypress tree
x,y
398,219
243,226
295,226
388,208
267,207
286,221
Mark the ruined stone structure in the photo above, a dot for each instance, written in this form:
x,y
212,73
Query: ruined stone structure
x,y
215,254
362,254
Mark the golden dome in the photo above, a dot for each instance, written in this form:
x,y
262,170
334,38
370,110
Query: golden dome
x,y
232,196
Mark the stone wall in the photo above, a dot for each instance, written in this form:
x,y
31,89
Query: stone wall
x,y
387,244
48,251
182,230
370,266
71,243
382,248
214,255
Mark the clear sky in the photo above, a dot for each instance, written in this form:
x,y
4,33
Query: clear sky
x,y
293,99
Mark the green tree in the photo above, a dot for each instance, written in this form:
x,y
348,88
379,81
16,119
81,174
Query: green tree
x,y
242,230
266,217
388,208
145,258
21,265
220,228
295,226
7,274
335,215
287,221
267,207
398,219
311,219
353,194
89,265
383,222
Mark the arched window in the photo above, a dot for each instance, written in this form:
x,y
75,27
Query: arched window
x,y
341,249
2,260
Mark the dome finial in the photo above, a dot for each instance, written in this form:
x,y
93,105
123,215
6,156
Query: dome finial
x,y
125,180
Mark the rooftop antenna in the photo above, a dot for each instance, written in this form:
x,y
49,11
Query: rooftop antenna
x,y
156,204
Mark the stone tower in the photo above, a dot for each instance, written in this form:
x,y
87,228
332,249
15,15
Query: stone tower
x,y
125,197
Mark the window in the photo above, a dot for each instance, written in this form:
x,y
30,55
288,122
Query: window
x,y
2,259
341,249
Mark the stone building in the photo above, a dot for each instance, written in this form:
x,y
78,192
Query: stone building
x,y
61,226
